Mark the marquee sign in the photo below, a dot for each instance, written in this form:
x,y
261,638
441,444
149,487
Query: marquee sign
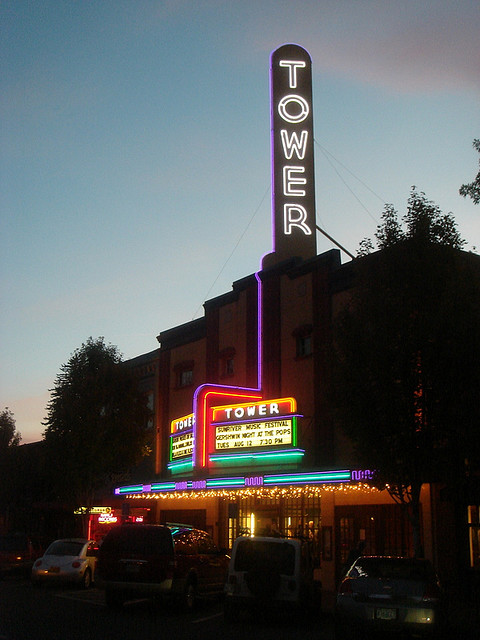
x,y
255,432
181,437
293,188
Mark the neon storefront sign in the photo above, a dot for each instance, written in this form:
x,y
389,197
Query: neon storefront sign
x,y
107,518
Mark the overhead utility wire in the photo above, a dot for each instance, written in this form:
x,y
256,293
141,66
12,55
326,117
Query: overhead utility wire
x,y
327,155
326,151
233,250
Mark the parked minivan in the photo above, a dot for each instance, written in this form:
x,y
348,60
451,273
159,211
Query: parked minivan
x,y
269,572
146,560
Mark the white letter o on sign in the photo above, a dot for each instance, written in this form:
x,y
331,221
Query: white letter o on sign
x,y
293,117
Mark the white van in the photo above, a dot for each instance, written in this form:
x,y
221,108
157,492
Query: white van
x,y
269,572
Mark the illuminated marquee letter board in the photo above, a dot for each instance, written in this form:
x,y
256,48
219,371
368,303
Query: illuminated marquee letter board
x,y
238,430
181,438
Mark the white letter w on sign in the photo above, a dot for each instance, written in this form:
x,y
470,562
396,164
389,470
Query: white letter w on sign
x,y
292,145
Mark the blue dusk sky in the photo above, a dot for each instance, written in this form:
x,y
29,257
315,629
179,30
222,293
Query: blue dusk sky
x,y
135,155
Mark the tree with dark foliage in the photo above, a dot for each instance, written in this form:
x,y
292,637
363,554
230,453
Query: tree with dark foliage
x,y
9,436
9,441
472,190
95,428
408,353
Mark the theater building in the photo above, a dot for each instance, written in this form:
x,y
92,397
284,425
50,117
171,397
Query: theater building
x,y
243,438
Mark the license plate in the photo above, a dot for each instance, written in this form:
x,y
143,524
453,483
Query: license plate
x,y
54,570
386,614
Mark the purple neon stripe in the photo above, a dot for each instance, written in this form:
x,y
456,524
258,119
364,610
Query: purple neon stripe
x,y
259,420
180,433
272,154
259,330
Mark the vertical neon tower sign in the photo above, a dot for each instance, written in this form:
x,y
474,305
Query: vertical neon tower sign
x,y
293,185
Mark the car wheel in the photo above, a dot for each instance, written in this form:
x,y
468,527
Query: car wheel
x,y
190,595
114,599
87,579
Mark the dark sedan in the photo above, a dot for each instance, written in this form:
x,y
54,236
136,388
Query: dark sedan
x,y
388,594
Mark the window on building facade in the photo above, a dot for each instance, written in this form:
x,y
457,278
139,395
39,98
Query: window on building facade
x,y
151,408
304,346
304,341
185,378
228,367
227,362
184,374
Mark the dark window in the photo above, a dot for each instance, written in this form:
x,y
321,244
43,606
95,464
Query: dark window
x,y
229,368
303,338
227,362
184,374
258,554
186,378
393,568
151,409
138,539
304,346
64,548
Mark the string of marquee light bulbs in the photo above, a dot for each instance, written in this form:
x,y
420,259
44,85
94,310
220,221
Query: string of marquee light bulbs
x,y
308,491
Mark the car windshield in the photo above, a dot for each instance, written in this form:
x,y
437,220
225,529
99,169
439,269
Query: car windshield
x,y
64,548
392,568
253,554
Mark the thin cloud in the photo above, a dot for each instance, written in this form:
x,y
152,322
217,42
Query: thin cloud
x,y
419,46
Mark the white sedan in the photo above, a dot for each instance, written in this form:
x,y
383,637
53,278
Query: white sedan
x,y
70,560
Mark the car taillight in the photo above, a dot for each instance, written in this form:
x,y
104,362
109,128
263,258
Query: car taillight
x,y
38,563
346,587
432,592
76,564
